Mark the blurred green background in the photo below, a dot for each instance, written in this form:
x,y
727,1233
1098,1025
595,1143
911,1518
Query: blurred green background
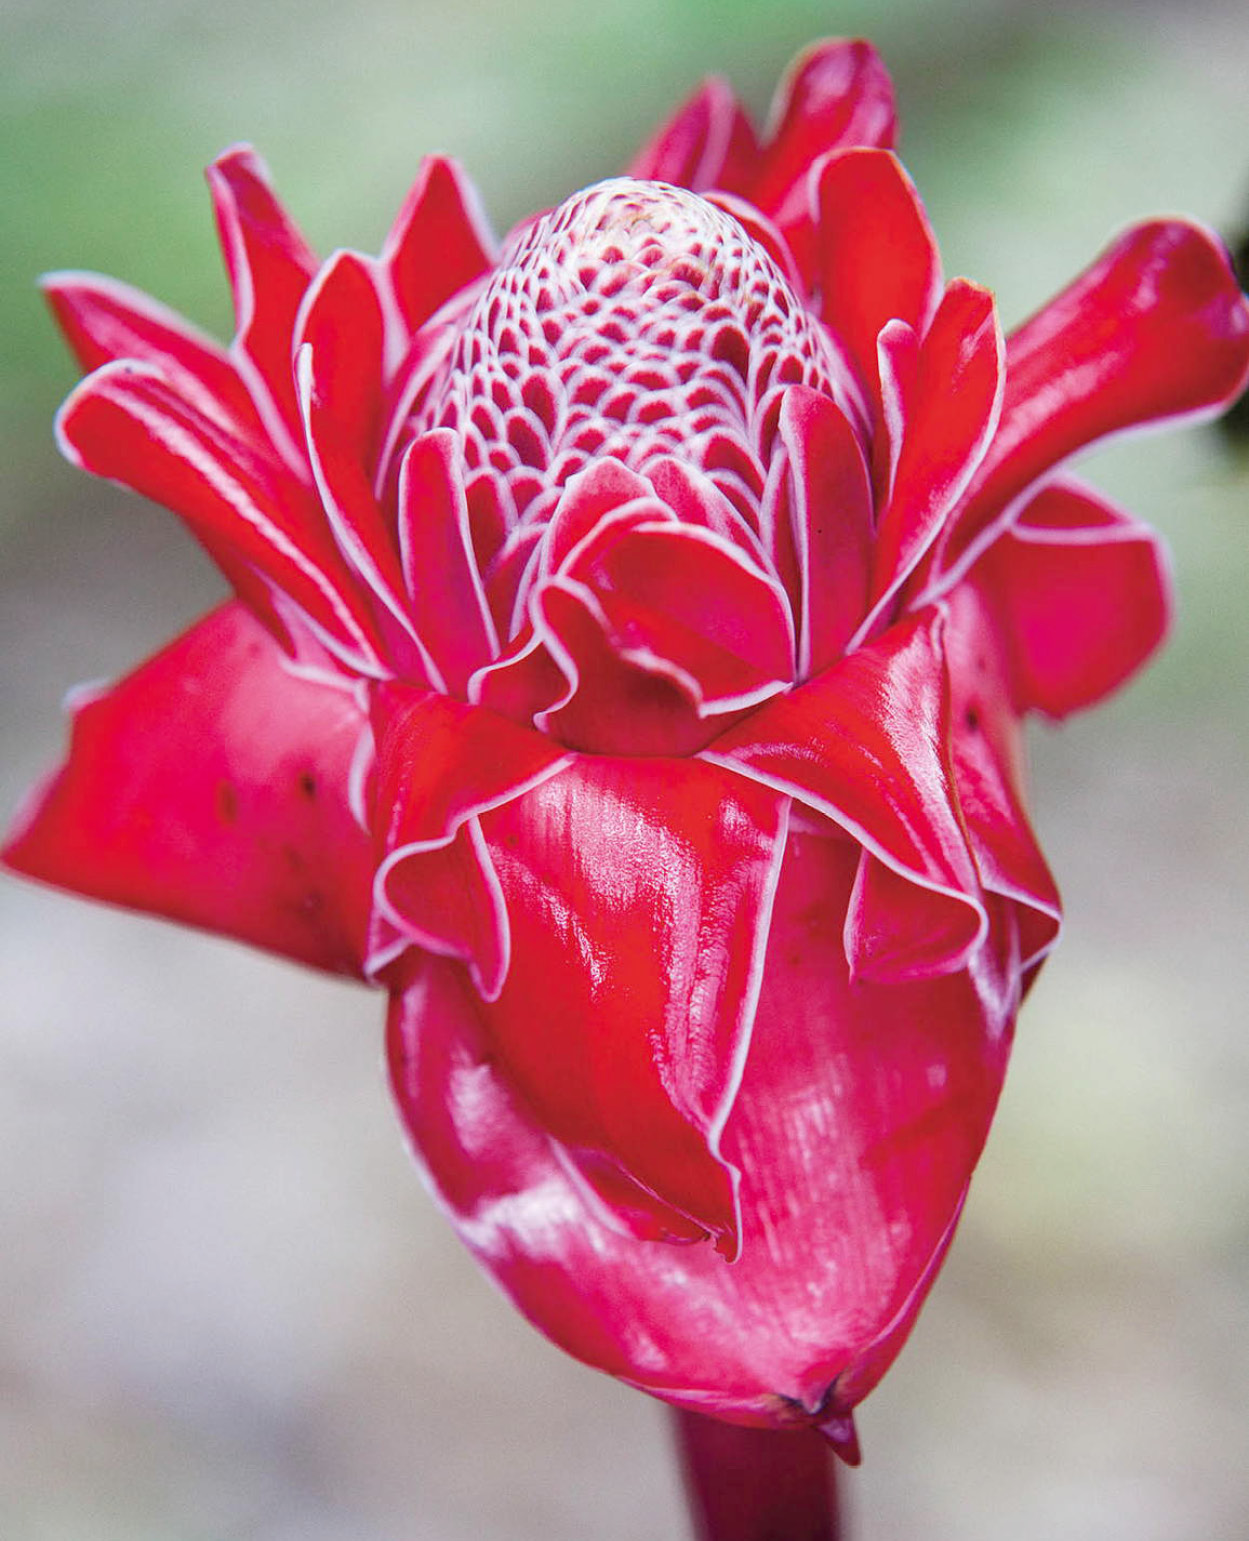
x,y
229,1312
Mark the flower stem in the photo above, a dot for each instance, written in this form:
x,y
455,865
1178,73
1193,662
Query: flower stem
x,y
756,1484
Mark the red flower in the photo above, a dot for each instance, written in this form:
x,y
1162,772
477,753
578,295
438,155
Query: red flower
x,y
632,635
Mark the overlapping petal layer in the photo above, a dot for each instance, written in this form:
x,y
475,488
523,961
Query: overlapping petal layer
x,y
866,745
639,896
859,1116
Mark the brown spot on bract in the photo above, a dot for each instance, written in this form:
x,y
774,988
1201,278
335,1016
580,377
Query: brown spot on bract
x,y
227,803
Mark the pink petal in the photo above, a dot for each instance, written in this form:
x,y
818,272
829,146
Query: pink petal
x,y
445,899
610,704
678,595
1008,857
360,529
1156,328
211,787
876,258
951,411
989,763
860,1115
708,142
587,499
1084,594
439,242
897,364
448,603
865,744
104,320
490,517
440,763
896,930
341,321
696,500
835,96
524,683
507,580
262,526
638,894
410,378
829,509
270,266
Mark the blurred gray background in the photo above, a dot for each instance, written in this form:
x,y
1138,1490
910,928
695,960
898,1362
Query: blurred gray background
x,y
228,1312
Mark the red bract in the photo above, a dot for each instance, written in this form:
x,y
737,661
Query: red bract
x,y
633,631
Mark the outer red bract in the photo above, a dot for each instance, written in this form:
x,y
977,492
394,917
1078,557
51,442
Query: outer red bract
x,y
633,631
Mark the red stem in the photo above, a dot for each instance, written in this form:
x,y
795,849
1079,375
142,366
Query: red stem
x,y
756,1484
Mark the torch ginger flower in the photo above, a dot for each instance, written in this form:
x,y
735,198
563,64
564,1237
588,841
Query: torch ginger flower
x,y
633,630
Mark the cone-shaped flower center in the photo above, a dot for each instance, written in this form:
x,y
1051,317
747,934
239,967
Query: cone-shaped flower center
x,y
635,321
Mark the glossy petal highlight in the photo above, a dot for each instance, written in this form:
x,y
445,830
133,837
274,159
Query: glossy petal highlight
x,y
211,786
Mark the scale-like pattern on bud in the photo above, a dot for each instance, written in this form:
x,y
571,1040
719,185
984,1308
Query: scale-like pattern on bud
x,y
636,321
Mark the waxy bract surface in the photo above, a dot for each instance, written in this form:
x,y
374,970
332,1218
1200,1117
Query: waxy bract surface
x,y
634,625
